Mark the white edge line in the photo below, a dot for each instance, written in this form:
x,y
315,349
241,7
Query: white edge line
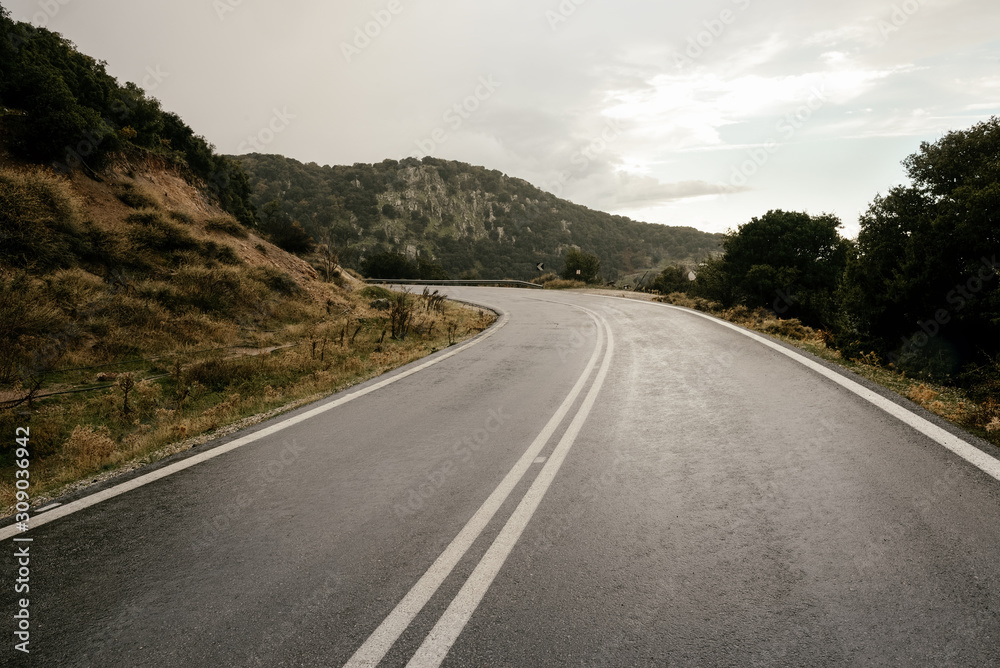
x,y
444,634
111,492
378,644
964,449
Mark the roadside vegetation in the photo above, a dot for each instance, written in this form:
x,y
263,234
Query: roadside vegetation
x,y
146,368
142,307
61,107
148,297
131,329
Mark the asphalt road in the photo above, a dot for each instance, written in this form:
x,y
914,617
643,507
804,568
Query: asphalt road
x,y
598,482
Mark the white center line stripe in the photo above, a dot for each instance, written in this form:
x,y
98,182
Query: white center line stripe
x,y
382,639
435,647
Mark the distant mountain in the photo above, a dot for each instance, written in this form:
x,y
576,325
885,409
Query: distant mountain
x,y
475,222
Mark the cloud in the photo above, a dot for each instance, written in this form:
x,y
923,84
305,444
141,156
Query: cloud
x,y
621,191
681,121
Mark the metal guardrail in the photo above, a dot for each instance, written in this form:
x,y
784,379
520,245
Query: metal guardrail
x,y
413,281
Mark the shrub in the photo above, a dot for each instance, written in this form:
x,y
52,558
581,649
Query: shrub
x,y
431,271
221,252
563,284
922,394
400,314
696,303
217,375
216,290
293,239
389,265
671,279
71,289
277,280
89,448
136,197
581,265
39,221
376,292
181,217
153,231
28,323
226,225
792,328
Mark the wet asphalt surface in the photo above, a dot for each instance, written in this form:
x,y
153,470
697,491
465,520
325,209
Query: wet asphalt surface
x,y
721,505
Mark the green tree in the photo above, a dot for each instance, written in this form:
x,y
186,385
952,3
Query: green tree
x,y
581,266
70,112
787,261
430,270
923,285
672,279
389,265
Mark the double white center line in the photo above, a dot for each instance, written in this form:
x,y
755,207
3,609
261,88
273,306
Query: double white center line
x,y
458,613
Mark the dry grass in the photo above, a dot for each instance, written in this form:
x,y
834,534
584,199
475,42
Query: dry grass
x,y
563,284
173,318
226,225
84,436
136,196
40,220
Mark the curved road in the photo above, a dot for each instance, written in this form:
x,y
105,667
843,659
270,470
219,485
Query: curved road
x,y
594,482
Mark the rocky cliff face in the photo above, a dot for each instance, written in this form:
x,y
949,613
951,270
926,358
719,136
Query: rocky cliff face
x,y
472,220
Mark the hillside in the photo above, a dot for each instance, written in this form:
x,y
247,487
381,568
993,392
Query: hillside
x,y
138,318
475,222
140,308
135,264
60,107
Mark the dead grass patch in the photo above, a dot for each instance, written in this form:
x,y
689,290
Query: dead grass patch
x,y
563,284
181,397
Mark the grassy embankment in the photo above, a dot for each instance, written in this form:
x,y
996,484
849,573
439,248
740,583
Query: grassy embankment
x,y
177,323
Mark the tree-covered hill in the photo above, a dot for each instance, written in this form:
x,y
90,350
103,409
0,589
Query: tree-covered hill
x,y
61,108
473,221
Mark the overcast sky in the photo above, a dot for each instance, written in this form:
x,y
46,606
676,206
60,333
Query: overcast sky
x,y
703,114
